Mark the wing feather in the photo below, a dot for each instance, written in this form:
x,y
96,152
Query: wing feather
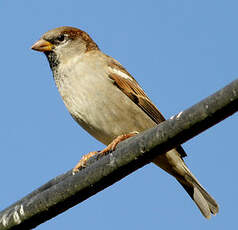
x,y
129,86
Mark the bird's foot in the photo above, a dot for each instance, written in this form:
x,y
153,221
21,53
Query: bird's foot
x,y
83,161
111,147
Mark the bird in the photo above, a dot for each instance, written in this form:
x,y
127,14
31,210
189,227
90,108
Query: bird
x,y
106,101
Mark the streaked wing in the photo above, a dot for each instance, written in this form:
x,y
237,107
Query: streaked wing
x,y
129,86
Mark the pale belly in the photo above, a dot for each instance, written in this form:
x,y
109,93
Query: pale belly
x,y
102,109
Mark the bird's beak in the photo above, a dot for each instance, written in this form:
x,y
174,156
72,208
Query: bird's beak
x,y
42,46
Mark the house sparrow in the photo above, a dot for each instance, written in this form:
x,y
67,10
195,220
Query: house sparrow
x,y
109,103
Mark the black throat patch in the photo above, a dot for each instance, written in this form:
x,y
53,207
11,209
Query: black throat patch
x,y
53,60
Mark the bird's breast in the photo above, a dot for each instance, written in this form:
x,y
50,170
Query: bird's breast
x,y
99,106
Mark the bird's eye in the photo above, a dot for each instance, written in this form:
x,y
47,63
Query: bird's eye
x,y
61,38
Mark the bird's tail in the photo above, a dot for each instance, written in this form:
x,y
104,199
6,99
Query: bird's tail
x,y
203,200
172,163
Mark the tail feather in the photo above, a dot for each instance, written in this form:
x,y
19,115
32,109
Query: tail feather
x,y
202,199
173,163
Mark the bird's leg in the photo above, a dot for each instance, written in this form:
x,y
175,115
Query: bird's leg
x,y
83,160
111,147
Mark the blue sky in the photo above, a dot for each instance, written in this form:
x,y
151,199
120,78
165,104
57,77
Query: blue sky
x,y
179,51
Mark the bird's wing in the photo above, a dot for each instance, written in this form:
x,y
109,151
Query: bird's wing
x,y
129,86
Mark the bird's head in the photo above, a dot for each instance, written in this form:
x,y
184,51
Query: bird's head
x,y
64,42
